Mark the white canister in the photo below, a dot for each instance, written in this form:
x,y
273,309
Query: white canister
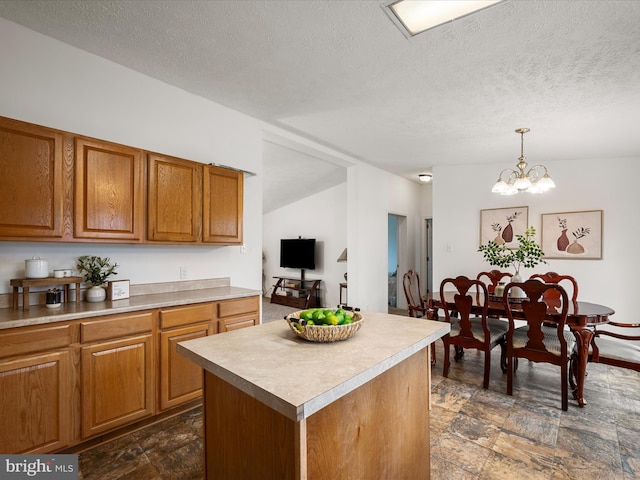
x,y
36,268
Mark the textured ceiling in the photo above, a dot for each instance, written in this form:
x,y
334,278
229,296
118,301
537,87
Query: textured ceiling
x,y
341,73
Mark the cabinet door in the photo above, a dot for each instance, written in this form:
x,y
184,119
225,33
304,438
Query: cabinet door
x,y
35,403
223,214
31,181
174,199
117,383
180,378
109,182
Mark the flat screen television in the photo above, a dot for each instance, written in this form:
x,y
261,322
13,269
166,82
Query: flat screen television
x,y
298,253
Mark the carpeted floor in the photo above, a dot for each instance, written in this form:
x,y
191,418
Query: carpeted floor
x,y
273,311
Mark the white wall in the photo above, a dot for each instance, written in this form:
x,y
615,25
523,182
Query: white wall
x,y
49,83
373,194
322,216
608,184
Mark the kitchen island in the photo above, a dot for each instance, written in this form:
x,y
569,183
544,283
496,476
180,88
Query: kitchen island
x,y
279,407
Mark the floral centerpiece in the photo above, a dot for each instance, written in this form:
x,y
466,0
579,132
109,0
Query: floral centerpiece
x,y
96,271
528,254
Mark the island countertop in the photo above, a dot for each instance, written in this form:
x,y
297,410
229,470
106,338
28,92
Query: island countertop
x,y
296,377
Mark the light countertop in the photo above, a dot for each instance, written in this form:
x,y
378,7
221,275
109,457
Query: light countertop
x,y
39,314
296,377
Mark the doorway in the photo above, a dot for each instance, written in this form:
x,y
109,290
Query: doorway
x,y
397,261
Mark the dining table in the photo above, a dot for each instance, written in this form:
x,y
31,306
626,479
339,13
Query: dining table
x,y
582,318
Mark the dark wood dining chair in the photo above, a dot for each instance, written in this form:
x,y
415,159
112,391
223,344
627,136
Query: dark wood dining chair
x,y
415,300
617,344
562,280
493,278
479,332
535,341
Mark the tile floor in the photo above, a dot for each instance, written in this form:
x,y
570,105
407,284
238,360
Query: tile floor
x,y
475,433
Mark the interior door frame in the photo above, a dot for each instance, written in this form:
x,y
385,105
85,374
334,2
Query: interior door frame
x,y
401,258
427,274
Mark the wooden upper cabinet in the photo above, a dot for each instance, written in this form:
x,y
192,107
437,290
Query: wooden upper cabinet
x,y
223,197
174,207
31,181
109,191
55,186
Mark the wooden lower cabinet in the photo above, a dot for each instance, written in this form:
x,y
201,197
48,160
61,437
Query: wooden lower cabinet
x,y
67,383
117,384
34,403
118,371
181,379
237,313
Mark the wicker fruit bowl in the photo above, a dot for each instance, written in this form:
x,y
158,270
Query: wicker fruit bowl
x,y
324,333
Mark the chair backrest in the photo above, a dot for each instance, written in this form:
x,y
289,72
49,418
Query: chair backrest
x,y
494,277
463,301
534,308
617,344
411,286
563,280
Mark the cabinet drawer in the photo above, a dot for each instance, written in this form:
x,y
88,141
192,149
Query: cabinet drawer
x,y
28,340
237,323
175,317
230,308
116,326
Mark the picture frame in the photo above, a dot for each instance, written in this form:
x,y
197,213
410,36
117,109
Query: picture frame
x,y
503,224
572,235
118,290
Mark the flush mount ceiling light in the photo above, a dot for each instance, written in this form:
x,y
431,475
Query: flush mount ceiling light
x,y
532,181
416,16
425,177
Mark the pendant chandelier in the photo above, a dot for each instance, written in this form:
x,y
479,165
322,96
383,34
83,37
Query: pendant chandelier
x,y
534,180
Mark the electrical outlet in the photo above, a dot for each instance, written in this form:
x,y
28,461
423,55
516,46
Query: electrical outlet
x,y
183,273
243,249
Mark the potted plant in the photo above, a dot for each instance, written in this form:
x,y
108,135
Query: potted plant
x,y
96,271
528,254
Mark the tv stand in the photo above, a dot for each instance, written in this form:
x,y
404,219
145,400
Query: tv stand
x,y
296,292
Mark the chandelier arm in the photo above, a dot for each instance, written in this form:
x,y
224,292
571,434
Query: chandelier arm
x,y
512,174
533,175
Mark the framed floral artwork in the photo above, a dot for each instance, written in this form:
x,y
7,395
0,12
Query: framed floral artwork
x,y
572,235
503,224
